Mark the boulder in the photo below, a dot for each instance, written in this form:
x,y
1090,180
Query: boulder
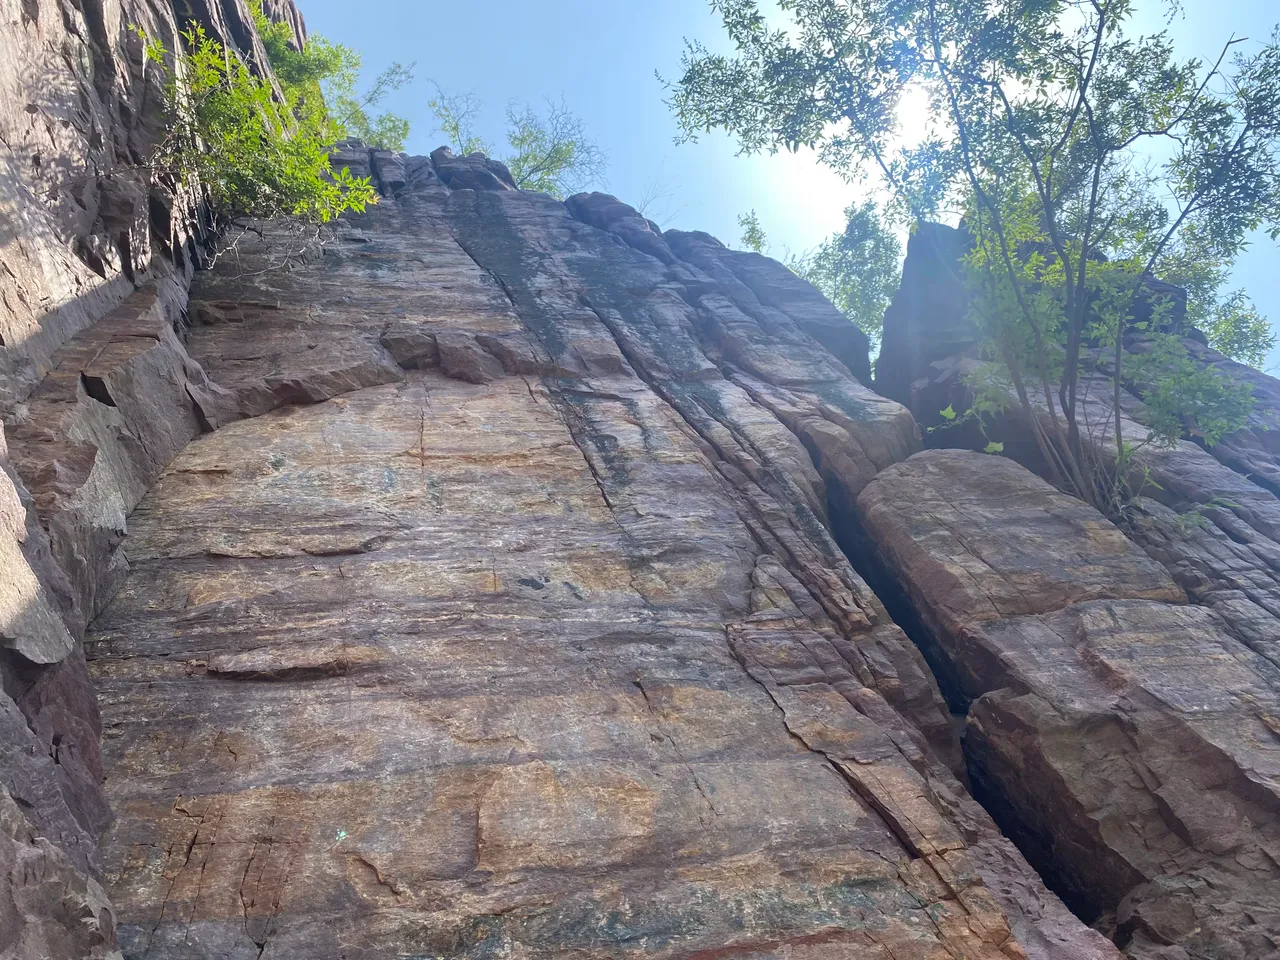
x,y
1124,739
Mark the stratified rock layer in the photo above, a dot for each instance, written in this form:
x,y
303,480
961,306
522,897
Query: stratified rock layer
x,y
97,394
1129,742
525,634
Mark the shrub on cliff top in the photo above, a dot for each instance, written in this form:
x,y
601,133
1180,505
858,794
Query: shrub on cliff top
x,y
322,76
550,152
255,153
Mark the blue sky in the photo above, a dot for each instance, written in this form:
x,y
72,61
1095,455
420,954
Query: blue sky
x,y
601,55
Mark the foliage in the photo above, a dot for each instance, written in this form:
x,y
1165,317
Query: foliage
x,y
230,134
856,269
456,113
1232,323
1047,121
549,153
654,202
753,236
1185,396
1237,330
323,76
552,153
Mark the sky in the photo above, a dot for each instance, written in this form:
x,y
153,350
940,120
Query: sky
x,y
601,57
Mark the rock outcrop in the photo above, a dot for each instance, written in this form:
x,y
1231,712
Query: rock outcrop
x,y
492,579
1127,740
1128,746
1210,514
97,394
503,616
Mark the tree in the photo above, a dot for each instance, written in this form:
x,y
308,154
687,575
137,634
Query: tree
x,y
251,153
323,76
1048,119
1233,325
456,113
1237,330
856,269
753,237
549,153
552,153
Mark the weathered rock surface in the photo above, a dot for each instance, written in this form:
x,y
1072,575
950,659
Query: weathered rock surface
x,y
530,636
97,395
49,907
79,229
502,610
1127,741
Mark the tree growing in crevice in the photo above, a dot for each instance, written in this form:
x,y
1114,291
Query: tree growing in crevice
x,y
548,152
233,138
253,141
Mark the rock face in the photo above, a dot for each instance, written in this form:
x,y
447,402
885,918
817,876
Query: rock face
x,y
506,619
488,580
1126,740
1211,516
97,395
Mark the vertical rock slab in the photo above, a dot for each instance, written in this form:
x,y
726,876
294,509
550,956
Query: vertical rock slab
x,y
541,648
1127,741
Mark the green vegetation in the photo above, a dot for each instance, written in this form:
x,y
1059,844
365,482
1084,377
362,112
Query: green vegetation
x,y
753,237
253,155
1082,160
549,152
1236,329
856,269
258,149
323,76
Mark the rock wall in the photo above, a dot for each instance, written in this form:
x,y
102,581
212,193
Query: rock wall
x,y
493,580
1127,741
97,395
502,617
1129,746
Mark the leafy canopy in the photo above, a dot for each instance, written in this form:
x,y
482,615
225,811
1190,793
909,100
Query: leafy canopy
x,y
323,76
254,154
856,269
549,152
1082,159
753,236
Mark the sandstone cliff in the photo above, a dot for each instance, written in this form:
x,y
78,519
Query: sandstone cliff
x,y
94,268
511,578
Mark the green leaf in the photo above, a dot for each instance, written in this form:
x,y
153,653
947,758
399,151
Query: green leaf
x,y
949,413
994,447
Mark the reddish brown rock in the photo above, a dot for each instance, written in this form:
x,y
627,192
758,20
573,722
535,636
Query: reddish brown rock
x,y
96,394
1126,741
1210,515
81,230
555,660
